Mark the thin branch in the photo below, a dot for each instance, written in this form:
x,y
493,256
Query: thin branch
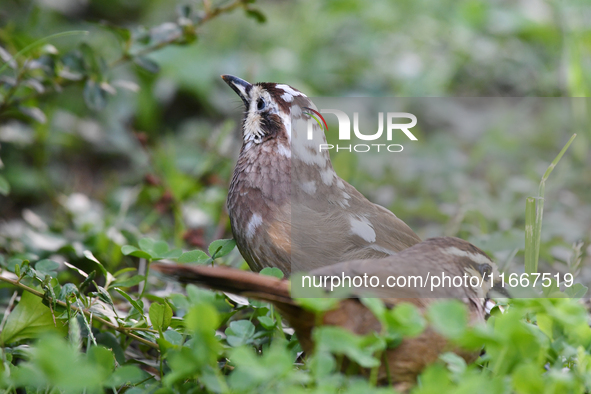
x,y
123,330
140,329
126,57
209,14
221,10
8,310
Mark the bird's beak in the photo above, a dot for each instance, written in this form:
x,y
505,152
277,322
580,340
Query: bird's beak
x,y
240,86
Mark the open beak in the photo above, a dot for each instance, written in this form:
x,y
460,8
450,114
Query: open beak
x,y
240,86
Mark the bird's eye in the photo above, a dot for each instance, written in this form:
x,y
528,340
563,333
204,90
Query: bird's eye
x,y
261,104
485,271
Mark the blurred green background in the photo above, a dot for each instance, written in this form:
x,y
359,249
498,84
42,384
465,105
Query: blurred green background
x,y
143,141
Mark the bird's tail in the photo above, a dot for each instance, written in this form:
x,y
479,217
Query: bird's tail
x,y
247,284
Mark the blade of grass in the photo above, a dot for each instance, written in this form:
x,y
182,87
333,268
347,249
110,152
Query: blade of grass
x,y
532,255
530,242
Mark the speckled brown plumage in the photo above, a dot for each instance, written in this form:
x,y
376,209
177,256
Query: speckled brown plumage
x,y
287,206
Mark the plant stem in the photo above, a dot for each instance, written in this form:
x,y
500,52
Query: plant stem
x,y
8,310
532,256
88,313
531,265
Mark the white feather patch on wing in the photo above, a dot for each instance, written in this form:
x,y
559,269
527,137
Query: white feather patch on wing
x,y
255,221
309,187
361,227
328,176
379,248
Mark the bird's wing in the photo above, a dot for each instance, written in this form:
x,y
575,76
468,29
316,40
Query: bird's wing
x,y
349,227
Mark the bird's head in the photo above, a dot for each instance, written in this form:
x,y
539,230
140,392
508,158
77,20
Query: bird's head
x,y
267,109
474,262
274,112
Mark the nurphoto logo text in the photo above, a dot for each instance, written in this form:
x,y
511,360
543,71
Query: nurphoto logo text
x,y
393,123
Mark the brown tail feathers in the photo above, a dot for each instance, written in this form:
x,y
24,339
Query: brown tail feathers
x,y
247,284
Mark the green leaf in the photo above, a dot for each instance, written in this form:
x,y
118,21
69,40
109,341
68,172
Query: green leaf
x,y
74,63
134,303
146,244
57,363
449,318
340,341
134,280
202,317
147,64
34,113
92,60
94,95
47,267
256,15
105,296
376,306
239,333
68,289
322,364
266,322
102,360
88,254
184,11
129,250
272,271
456,364
108,340
14,264
158,249
221,247
577,291
405,319
89,279
29,319
165,33
124,35
527,378
160,316
125,375
194,256
197,295
124,270
173,337
171,254
74,333
4,186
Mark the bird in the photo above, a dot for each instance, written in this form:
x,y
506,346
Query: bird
x,y
288,208
436,256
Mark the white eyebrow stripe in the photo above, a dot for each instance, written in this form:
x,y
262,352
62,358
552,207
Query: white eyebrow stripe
x,y
475,257
290,90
